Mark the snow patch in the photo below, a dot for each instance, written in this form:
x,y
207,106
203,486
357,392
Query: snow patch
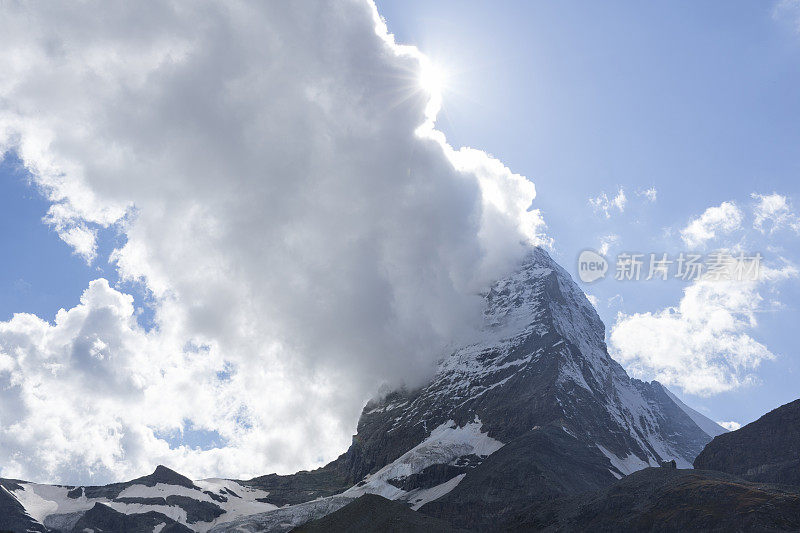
x,y
243,504
284,518
627,465
423,496
445,443
171,511
41,501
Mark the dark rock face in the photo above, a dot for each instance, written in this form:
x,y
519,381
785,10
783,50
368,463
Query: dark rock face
x,y
767,450
196,511
543,464
102,518
430,476
374,514
663,499
300,487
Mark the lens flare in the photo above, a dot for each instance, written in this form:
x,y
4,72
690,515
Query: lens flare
x,y
432,78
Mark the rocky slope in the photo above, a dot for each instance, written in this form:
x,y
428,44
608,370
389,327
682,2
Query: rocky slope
x,y
767,450
664,499
534,408
371,513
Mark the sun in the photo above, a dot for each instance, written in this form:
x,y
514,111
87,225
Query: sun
x,y
432,78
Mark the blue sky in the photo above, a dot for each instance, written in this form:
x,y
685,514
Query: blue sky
x,y
248,212
697,100
40,274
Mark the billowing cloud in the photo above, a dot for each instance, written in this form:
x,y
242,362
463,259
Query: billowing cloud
x,y
705,344
725,218
773,212
605,205
68,387
304,231
730,426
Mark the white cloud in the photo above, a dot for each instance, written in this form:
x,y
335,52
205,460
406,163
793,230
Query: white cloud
x,y
730,426
82,240
725,218
607,241
788,9
285,198
593,300
651,194
68,387
615,301
704,345
84,398
773,212
602,203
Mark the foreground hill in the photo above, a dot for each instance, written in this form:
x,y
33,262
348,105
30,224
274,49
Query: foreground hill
x,y
665,499
767,450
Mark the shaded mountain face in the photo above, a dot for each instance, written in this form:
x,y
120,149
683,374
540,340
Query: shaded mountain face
x,y
371,513
533,408
767,450
665,499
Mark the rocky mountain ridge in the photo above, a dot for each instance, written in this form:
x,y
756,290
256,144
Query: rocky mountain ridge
x,y
766,451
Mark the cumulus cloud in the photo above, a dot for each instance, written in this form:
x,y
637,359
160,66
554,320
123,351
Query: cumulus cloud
x,y
773,212
705,344
303,229
725,218
604,205
81,239
730,426
67,387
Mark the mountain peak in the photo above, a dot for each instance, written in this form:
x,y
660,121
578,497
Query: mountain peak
x,y
540,360
764,451
165,475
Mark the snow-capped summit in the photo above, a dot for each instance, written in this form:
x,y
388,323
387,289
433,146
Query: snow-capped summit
x,y
542,361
